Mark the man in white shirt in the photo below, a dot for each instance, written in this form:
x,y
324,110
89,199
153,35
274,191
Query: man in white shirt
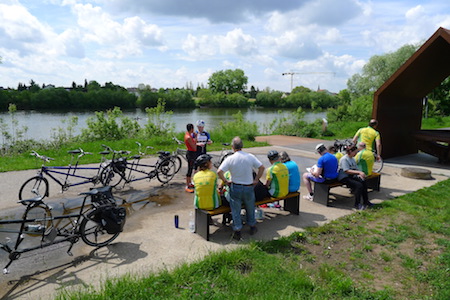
x,y
241,165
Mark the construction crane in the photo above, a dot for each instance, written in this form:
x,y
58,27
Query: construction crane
x,y
301,73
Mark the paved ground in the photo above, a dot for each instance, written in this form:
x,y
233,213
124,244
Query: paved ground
x,y
150,242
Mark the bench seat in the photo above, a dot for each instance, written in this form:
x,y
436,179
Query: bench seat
x,y
203,217
322,190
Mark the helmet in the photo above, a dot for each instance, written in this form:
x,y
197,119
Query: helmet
x,y
273,155
202,159
320,148
201,123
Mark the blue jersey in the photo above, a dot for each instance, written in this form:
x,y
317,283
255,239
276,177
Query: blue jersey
x,y
330,165
294,176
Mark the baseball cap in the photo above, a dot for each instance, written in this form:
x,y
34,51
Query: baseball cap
x,y
320,148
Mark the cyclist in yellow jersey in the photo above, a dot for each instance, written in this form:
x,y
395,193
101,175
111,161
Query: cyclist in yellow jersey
x,y
370,137
205,182
277,176
364,159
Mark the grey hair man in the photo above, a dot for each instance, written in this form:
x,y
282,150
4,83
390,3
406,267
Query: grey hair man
x,y
241,166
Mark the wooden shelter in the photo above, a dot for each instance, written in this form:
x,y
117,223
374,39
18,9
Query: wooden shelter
x,y
398,103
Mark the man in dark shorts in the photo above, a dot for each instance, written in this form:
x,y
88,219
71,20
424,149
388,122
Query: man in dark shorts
x,y
191,155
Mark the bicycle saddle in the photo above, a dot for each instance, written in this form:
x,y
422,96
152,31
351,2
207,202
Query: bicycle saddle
x,y
30,201
103,189
164,153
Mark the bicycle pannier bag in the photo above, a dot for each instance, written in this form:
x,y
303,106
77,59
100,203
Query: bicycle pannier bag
x,y
113,219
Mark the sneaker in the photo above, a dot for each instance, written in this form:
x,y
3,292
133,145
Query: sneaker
x,y
308,197
188,190
253,230
277,206
237,235
359,207
369,204
191,185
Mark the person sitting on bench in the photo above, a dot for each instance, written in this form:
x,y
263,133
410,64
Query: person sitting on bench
x,y
364,159
205,183
294,173
354,178
326,171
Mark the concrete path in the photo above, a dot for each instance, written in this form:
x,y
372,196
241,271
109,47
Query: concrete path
x,y
150,241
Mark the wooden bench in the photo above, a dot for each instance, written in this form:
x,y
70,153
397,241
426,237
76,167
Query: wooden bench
x,y
203,217
322,190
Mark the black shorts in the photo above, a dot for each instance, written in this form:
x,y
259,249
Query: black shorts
x,y
191,156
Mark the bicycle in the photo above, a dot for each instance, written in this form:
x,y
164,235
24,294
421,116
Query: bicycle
x,y
38,186
224,154
178,154
116,171
341,145
97,224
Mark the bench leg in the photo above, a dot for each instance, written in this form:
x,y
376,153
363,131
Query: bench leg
x,y
202,223
321,193
292,205
374,183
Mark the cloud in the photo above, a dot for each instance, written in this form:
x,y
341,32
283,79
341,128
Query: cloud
x,y
238,43
215,11
119,39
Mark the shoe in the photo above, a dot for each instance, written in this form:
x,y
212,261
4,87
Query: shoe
x,y
253,230
188,190
191,186
263,206
237,235
277,206
308,197
369,204
359,207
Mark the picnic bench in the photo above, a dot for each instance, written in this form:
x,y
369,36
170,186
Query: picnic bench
x,y
322,190
434,142
203,217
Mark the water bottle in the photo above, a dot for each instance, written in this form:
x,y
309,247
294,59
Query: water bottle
x,y
191,222
176,220
35,228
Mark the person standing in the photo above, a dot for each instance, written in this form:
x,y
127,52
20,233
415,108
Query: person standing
x,y
203,138
191,155
294,173
205,182
370,136
326,170
354,178
241,165
277,176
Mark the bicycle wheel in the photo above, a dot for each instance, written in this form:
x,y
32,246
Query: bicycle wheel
x,y
92,231
377,165
34,187
177,162
109,177
225,156
165,170
41,217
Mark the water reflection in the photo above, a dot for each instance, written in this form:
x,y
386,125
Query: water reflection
x,y
41,125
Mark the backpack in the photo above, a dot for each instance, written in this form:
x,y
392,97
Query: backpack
x,y
113,218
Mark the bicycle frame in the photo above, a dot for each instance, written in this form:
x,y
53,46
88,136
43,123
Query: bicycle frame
x,y
44,231
47,237
49,171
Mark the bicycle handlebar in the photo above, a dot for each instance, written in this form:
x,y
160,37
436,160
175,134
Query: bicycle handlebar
x,y
43,157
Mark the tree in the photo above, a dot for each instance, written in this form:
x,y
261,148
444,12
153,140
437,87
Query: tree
x,y
378,70
228,81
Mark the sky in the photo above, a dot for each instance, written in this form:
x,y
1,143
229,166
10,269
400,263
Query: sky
x,y
180,43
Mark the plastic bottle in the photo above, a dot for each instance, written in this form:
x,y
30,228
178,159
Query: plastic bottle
x,y
191,222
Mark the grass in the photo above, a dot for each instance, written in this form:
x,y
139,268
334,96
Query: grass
x,y
25,161
398,250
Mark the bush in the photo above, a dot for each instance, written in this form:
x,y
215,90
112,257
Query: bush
x,y
238,127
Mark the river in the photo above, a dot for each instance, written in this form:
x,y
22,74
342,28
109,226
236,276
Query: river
x,y
41,124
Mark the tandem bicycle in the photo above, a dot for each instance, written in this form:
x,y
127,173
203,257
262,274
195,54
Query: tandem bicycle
x,y
97,224
38,186
121,170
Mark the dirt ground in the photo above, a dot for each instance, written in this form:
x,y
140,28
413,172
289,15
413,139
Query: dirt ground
x,y
150,241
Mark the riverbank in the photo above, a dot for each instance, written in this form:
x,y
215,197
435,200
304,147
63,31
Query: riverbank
x,y
150,242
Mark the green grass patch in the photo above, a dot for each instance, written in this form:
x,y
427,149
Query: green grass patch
x,y
345,259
